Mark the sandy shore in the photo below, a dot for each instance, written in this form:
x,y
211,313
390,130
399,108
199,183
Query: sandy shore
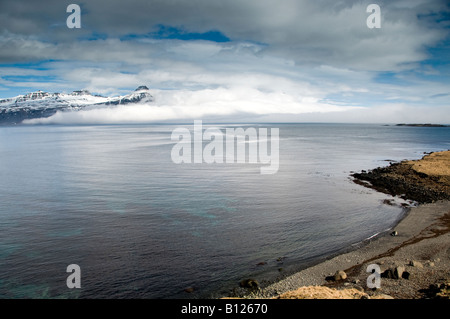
x,y
419,248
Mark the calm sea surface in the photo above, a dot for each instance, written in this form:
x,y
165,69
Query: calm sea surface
x,y
111,200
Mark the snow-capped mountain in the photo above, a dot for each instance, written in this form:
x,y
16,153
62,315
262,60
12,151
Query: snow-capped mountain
x,y
43,104
140,95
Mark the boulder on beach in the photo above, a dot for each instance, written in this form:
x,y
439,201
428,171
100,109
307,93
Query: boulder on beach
x,y
394,272
249,283
340,275
415,263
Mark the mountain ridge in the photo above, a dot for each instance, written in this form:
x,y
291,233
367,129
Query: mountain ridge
x,y
40,104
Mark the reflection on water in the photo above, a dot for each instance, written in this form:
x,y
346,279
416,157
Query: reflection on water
x,y
109,199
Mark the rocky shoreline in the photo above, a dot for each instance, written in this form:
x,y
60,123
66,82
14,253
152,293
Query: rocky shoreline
x,y
413,260
424,181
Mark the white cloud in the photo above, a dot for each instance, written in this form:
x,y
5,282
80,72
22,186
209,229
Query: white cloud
x,y
239,105
208,104
284,57
318,32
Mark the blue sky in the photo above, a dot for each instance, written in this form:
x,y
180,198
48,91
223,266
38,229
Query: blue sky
x,y
288,60
177,33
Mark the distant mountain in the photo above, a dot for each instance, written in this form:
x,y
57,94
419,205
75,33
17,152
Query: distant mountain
x,y
423,125
43,104
140,95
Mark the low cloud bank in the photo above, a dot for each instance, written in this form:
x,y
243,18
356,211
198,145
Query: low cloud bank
x,y
231,105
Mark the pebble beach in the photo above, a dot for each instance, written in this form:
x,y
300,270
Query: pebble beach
x,y
412,260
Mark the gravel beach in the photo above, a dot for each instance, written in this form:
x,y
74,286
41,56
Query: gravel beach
x,y
413,259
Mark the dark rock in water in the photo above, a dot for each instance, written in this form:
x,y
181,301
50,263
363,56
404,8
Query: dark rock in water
x,y
262,263
281,259
249,283
189,290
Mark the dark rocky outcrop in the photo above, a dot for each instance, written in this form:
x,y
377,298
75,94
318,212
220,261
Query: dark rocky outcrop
x,y
249,284
400,179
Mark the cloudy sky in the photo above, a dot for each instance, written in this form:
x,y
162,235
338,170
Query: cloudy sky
x,y
237,60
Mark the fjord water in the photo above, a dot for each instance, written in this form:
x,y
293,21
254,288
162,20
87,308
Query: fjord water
x,y
110,199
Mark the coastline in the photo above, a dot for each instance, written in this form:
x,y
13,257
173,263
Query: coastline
x,y
419,245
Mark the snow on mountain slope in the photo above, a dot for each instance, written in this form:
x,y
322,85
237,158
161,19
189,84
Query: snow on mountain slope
x,y
140,95
43,104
